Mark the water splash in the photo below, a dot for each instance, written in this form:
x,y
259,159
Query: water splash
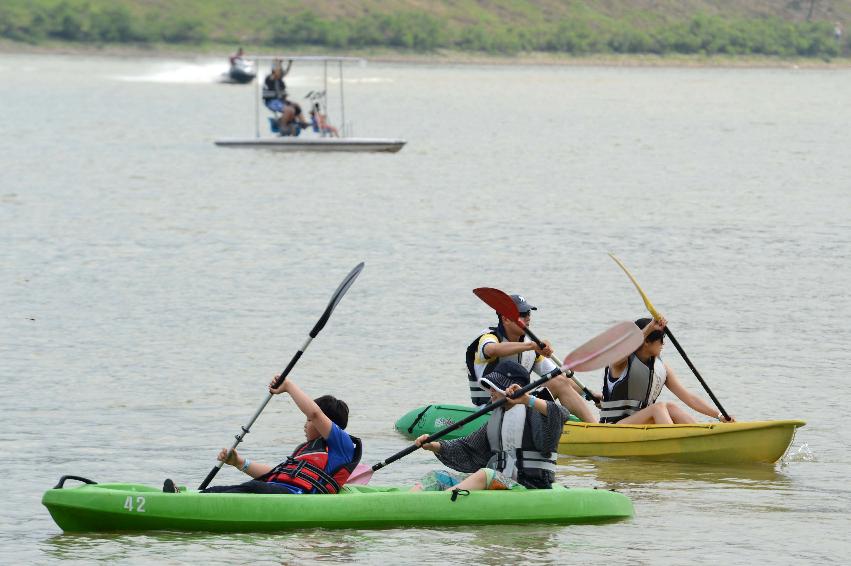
x,y
802,454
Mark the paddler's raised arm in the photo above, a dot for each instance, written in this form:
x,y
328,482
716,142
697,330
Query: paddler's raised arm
x,y
305,404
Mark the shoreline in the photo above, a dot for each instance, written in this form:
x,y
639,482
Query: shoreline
x,y
440,57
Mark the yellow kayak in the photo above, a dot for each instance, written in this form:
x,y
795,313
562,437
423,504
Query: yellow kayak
x,y
714,443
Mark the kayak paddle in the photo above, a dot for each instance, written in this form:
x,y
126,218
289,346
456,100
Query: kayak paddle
x,y
614,344
338,294
504,305
656,316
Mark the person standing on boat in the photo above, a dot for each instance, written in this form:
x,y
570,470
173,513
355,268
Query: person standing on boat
x,y
507,341
518,444
275,89
320,465
632,385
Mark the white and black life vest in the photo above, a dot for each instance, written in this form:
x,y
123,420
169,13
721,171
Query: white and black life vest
x,y
526,359
514,454
638,388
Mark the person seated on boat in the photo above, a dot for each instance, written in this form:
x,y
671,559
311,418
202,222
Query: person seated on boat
x,y
320,124
236,58
507,341
291,121
632,385
274,87
321,464
516,447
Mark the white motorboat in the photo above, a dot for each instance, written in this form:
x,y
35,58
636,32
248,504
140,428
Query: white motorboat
x,y
312,137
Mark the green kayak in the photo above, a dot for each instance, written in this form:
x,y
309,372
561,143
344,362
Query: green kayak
x,y
132,507
432,418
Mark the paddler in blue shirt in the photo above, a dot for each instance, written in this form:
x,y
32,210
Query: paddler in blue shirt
x,y
321,464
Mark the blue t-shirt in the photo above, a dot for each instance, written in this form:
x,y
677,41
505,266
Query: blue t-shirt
x,y
341,451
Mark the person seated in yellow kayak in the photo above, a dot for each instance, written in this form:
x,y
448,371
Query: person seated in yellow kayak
x,y
632,385
507,341
321,464
516,447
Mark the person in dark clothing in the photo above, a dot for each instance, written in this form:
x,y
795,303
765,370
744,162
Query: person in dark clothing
x,y
516,448
274,87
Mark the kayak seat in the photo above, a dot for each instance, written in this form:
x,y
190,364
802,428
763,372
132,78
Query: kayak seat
x,y
273,125
293,130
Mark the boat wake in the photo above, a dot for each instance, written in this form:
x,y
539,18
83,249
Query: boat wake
x,y
178,72
181,72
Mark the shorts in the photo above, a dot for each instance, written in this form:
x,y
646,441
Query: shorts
x,y
275,104
497,480
439,480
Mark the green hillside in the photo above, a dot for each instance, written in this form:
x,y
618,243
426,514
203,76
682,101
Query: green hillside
x,y
784,28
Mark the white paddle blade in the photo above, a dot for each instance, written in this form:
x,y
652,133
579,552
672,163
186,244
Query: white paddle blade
x,y
361,475
614,344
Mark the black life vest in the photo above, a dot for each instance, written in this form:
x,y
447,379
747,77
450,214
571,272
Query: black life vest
x,y
526,359
639,388
535,468
305,468
274,89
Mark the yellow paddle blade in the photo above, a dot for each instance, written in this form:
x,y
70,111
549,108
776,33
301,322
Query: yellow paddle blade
x,y
651,309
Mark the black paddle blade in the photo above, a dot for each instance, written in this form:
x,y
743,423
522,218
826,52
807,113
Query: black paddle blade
x,y
338,294
209,478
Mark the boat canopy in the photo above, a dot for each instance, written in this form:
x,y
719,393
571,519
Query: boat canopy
x,y
319,58
325,59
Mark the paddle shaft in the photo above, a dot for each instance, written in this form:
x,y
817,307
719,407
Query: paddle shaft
x,y
588,395
486,409
696,373
247,428
656,316
320,324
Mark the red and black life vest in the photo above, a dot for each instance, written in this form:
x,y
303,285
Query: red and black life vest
x,y
305,468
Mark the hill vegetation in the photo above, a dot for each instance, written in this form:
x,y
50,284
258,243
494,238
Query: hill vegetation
x,y
784,28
